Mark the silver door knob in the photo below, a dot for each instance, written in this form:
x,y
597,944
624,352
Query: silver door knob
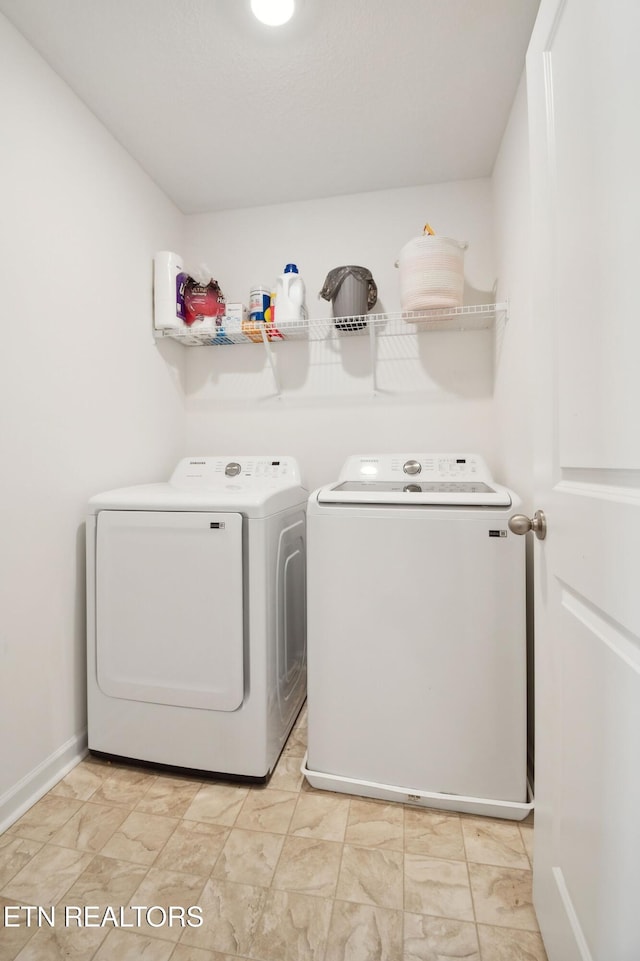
x,y
520,524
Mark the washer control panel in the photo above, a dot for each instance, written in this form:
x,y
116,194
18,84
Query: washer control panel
x,y
430,467
416,480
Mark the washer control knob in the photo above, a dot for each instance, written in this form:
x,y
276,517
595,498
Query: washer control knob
x,y
232,469
412,467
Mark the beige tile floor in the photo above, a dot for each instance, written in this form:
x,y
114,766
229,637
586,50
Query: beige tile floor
x,y
281,873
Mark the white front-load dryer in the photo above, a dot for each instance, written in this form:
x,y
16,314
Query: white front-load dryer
x,y
196,616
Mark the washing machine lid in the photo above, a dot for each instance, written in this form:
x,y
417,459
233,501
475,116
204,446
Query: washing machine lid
x,y
456,480
256,486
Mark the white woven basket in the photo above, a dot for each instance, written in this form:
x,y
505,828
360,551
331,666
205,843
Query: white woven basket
x,y
431,273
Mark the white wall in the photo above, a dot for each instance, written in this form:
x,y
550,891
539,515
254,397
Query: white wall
x,y
88,400
435,390
515,357
515,349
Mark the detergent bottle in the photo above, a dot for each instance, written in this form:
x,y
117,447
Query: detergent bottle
x,y
289,299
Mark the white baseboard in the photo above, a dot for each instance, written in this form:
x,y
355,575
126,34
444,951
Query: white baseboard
x,y
18,799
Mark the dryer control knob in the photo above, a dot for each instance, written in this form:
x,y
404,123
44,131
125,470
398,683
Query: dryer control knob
x,y
412,467
232,469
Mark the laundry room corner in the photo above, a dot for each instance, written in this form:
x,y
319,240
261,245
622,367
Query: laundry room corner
x,y
319,620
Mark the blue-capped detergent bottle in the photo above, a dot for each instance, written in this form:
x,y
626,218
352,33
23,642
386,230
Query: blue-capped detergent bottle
x,y
290,294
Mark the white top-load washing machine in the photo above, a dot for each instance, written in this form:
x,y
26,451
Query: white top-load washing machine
x,y
196,618
416,636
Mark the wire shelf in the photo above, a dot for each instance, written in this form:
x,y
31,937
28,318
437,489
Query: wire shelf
x,y
401,323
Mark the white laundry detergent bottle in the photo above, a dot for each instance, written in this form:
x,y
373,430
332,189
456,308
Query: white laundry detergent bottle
x,y
289,301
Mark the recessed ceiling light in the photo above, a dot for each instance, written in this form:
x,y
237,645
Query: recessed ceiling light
x,y
273,12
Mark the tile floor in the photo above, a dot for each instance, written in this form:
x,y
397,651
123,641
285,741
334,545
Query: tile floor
x,y
281,873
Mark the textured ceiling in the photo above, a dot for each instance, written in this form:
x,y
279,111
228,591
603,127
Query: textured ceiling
x,y
352,95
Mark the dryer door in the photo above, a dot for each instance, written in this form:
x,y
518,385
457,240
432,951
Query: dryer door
x,y
169,621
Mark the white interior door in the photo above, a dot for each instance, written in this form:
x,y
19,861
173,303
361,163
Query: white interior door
x,y
169,603
583,76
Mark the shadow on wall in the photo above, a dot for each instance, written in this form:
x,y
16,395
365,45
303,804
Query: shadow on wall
x,y
439,365
474,296
173,354
341,363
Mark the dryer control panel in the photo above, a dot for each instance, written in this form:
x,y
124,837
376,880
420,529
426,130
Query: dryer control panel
x,y
247,471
